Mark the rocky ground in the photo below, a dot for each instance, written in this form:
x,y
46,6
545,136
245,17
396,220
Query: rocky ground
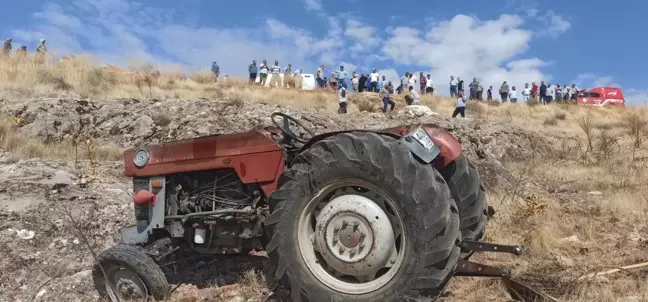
x,y
52,216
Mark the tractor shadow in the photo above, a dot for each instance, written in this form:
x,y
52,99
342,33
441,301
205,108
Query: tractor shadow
x,y
211,271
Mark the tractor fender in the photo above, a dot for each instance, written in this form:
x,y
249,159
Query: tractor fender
x,y
449,145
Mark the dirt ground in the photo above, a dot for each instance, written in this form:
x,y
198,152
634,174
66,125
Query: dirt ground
x,y
576,212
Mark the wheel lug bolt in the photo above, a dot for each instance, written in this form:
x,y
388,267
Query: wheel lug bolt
x,y
352,253
342,250
344,224
336,229
360,247
392,261
335,241
362,236
356,225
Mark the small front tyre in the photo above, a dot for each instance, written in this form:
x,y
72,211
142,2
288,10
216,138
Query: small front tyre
x,y
358,218
124,273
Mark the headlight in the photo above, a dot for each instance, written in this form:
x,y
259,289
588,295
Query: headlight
x,y
141,158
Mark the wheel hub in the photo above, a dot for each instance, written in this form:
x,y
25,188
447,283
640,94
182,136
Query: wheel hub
x,y
354,235
127,286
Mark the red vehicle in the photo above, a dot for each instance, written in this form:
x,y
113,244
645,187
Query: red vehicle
x,y
601,96
350,215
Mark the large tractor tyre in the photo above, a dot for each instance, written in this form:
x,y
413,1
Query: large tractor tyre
x,y
358,218
124,273
468,192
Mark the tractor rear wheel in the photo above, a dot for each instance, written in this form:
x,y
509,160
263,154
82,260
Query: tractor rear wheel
x,y
357,217
469,194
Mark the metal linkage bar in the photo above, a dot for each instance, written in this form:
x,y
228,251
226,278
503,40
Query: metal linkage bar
x,y
478,246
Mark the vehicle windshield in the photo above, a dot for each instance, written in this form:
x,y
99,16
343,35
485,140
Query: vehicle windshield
x,y
586,94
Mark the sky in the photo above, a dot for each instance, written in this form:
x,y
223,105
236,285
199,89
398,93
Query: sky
x,y
589,43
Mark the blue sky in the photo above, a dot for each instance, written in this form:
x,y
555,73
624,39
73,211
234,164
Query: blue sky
x,y
588,43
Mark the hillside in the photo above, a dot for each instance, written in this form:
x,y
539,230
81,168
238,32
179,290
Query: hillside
x,y
566,181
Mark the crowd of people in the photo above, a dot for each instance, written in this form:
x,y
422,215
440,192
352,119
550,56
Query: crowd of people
x,y
410,86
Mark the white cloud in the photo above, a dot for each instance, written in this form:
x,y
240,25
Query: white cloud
x,y
636,97
590,80
313,5
467,47
363,35
553,24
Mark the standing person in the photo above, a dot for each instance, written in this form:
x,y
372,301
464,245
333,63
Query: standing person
x,y
320,76
473,89
480,91
253,70
21,52
374,76
543,93
534,91
362,82
574,93
411,81
504,91
565,92
6,49
429,85
288,77
275,79
460,84
215,70
340,77
41,51
355,82
551,93
526,93
558,93
299,78
489,94
342,100
453,87
263,73
384,95
383,82
404,83
513,95
423,83
461,105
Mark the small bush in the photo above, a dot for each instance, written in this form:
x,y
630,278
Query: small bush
x,y
550,121
560,116
161,119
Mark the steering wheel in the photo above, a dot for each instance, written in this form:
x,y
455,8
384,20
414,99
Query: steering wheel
x,y
285,128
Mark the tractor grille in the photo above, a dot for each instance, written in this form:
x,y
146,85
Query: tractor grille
x,y
141,212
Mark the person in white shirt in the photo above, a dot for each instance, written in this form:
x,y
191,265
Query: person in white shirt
x,y
526,93
453,87
355,82
429,85
566,92
411,81
275,70
461,105
512,95
263,72
373,78
342,100
551,93
414,98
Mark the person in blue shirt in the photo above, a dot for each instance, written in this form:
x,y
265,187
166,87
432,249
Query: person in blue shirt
x,y
216,70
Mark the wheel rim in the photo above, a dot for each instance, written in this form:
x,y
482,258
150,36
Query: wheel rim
x,y
351,237
126,286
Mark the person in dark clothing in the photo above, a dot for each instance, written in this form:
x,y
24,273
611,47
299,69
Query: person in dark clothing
x,y
362,83
543,93
489,94
461,84
253,70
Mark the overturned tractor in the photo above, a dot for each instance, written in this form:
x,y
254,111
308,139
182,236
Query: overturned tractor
x,y
387,215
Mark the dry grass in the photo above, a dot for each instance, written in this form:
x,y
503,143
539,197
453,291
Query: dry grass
x,y
576,211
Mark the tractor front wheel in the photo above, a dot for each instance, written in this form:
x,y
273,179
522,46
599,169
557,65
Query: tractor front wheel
x,y
357,217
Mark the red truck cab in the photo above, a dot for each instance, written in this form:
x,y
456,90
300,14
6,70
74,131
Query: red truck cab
x,y
601,96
